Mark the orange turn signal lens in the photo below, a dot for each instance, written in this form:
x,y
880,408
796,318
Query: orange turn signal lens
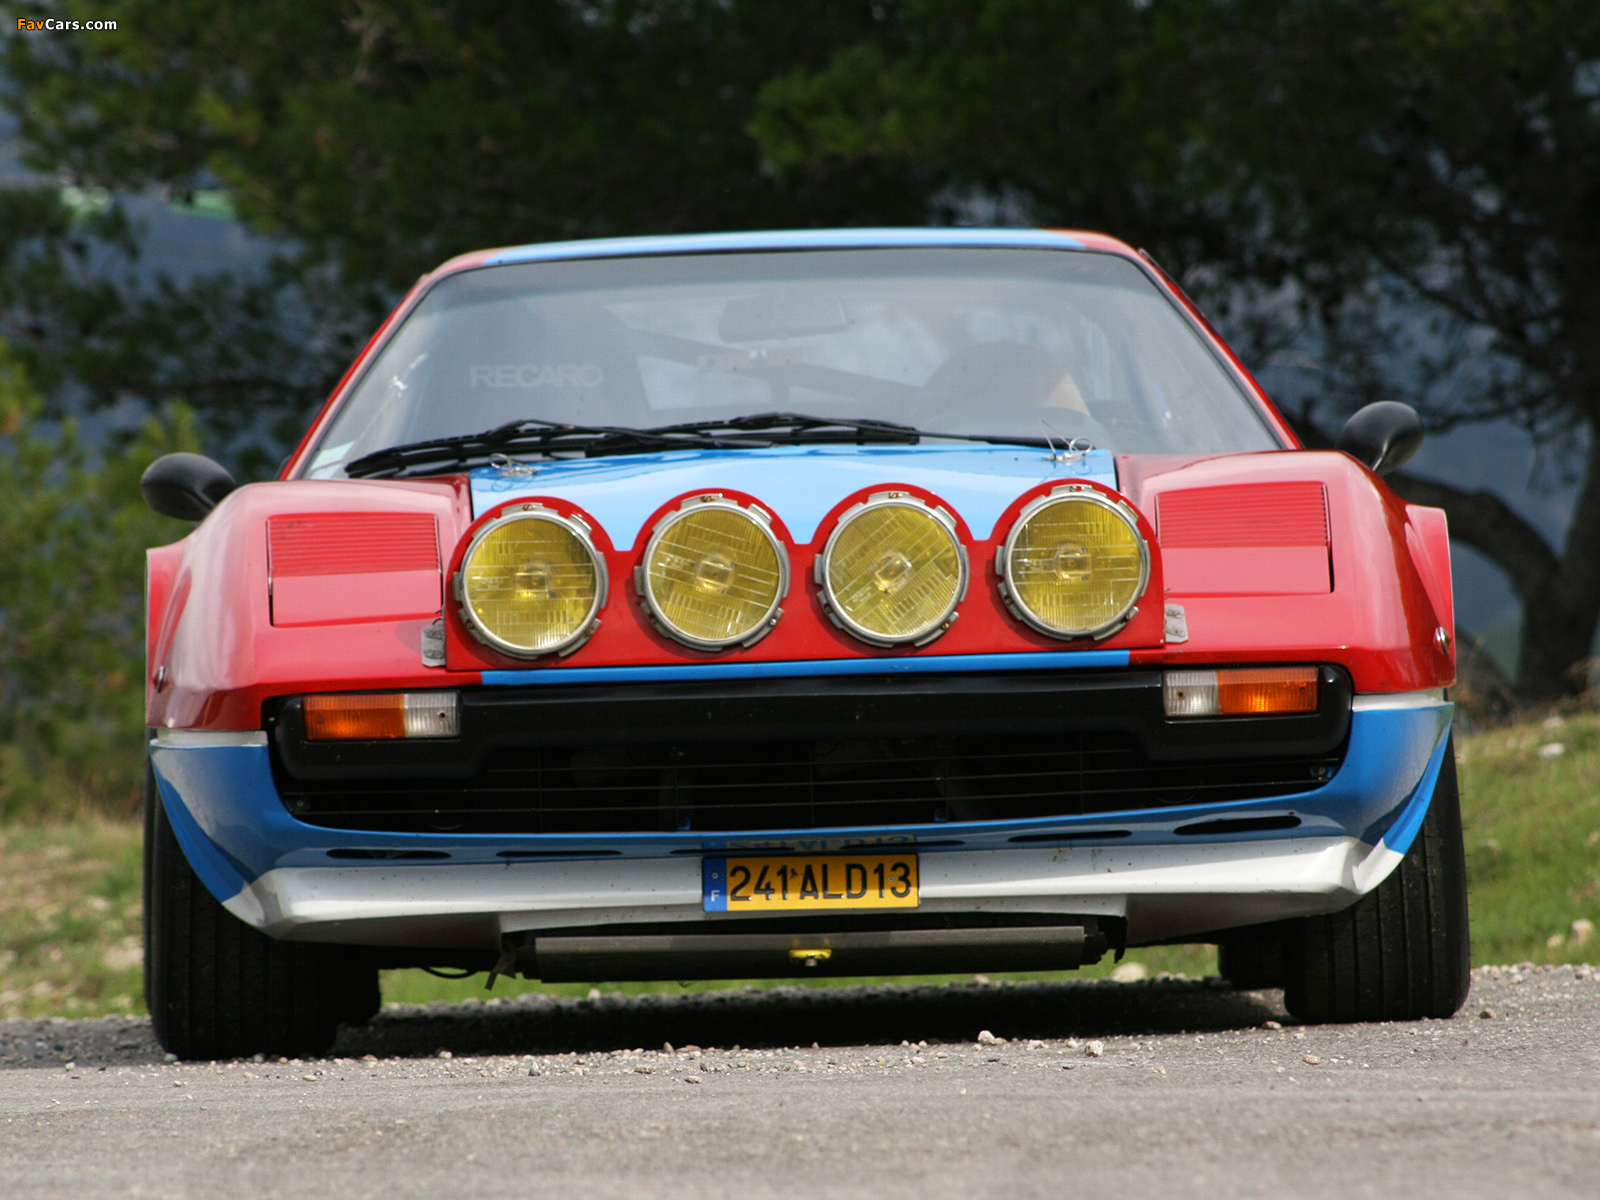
x,y
384,715
1240,692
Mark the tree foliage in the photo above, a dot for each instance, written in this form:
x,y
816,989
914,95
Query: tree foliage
x,y
1350,159
386,135
1436,159
73,530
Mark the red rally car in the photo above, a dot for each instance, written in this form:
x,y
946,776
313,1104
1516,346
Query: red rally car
x,y
847,602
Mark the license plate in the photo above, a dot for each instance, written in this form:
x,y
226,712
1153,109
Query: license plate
x,y
809,881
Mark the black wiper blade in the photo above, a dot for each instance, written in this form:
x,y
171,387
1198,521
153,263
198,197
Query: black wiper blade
x,y
790,428
551,439
547,438
802,428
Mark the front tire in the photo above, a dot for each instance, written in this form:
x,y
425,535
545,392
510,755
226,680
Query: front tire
x,y
1401,952
218,988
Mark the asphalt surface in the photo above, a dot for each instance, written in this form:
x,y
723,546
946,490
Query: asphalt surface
x,y
1165,1087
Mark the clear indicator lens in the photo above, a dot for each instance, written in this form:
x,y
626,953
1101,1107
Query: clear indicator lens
x,y
531,584
390,715
894,572
714,575
1190,694
1075,566
1240,692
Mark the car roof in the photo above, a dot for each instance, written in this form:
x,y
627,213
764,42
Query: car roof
x,y
792,239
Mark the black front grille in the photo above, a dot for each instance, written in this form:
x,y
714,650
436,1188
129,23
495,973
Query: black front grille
x,y
720,786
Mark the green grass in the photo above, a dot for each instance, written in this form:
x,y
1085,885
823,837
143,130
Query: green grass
x,y
70,910
1532,829
69,892
418,987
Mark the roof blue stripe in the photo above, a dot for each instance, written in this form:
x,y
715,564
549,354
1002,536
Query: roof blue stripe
x,y
675,673
793,239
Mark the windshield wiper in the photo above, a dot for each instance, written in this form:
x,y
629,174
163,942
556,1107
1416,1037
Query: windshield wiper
x,y
546,438
800,429
550,439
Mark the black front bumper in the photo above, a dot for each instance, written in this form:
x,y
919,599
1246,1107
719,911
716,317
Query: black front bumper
x,y
806,753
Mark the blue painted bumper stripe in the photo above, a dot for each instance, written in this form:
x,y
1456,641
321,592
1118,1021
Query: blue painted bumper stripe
x,y
1042,661
221,877
1403,832
234,827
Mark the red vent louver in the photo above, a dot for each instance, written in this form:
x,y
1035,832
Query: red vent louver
x,y
352,543
1244,514
346,568
1245,539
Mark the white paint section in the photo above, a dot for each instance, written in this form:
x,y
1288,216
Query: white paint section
x,y
246,905
1301,864
190,739
1389,701
1374,868
292,897
1165,891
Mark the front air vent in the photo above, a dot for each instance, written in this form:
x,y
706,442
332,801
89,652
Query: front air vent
x,y
1243,514
345,568
1245,539
352,543
760,785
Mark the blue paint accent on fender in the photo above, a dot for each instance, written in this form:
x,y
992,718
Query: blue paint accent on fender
x,y
1413,740
798,483
230,810
682,673
1403,832
216,870
227,798
789,239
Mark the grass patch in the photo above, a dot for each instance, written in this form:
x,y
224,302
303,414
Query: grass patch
x,y
70,911
418,987
1531,819
70,903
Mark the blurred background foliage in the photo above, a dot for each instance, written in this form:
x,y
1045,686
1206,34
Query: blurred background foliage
x,y
1401,196
73,529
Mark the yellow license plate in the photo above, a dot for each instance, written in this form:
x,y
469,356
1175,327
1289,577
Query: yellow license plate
x,y
791,882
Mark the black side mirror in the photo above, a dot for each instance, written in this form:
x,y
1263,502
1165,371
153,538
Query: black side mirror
x,y
186,486
1382,435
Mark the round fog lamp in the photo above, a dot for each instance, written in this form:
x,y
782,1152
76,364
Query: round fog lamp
x,y
893,571
713,574
531,583
1074,564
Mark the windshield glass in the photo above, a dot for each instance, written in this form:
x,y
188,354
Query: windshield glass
x,y
962,341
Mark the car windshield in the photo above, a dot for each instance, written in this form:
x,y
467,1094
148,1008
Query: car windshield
x,y
980,342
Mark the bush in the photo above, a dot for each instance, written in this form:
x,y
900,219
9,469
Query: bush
x,y
73,530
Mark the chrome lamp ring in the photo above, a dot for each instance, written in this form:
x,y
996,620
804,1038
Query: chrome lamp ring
x,y
584,629
929,630
761,521
1072,493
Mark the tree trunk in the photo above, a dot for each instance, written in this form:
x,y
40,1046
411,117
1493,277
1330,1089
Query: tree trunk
x,y
1558,620
1560,596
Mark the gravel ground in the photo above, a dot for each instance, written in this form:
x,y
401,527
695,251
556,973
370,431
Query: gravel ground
x,y
1094,1088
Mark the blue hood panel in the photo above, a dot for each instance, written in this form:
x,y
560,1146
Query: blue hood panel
x,y
798,483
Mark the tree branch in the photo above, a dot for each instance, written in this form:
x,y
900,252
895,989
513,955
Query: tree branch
x,y
1489,525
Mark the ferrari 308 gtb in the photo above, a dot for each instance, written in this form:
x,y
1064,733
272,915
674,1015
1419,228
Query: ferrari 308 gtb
x,y
797,604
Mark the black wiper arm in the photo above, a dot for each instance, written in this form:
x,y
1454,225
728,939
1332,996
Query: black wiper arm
x,y
797,427
529,437
550,439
